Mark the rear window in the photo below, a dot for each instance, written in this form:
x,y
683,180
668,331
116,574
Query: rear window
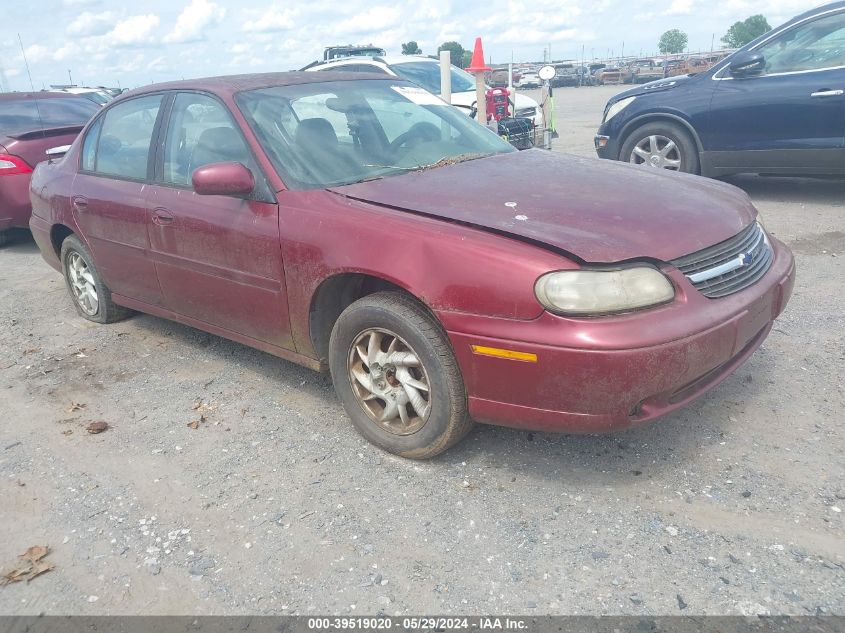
x,y
29,115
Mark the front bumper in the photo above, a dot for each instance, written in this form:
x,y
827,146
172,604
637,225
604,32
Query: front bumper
x,y
606,146
602,374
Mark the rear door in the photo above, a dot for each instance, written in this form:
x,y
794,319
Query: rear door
x,y
218,258
791,117
109,196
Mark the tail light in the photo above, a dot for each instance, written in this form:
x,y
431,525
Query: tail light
x,y
10,165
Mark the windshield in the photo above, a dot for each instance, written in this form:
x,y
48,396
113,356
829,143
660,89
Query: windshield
x,y
335,133
22,115
427,75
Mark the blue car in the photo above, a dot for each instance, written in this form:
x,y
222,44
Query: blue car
x,y
776,106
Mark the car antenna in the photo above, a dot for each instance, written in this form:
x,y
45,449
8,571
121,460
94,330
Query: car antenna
x,y
31,84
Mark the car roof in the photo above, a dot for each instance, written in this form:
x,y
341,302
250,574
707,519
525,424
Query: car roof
x,y
231,84
22,96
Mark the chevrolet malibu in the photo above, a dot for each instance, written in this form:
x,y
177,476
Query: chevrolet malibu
x,y
356,224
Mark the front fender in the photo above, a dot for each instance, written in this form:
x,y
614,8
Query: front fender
x,y
447,266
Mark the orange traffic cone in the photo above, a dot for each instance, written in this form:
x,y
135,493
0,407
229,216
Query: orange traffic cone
x,y
477,64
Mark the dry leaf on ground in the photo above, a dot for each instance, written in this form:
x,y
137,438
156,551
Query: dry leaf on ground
x,y
76,406
33,568
35,553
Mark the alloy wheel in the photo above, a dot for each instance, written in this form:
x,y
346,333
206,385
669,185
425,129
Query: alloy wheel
x,y
389,381
82,283
657,151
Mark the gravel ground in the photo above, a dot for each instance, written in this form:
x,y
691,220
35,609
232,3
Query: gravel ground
x,y
275,505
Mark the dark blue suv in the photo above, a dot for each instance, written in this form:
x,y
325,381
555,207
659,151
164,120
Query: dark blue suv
x,y
776,106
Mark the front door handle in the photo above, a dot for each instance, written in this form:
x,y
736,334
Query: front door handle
x,y
162,217
80,203
828,93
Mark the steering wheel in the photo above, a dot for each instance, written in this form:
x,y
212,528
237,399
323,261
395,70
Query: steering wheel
x,y
418,133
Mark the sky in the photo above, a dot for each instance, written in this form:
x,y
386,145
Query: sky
x,y
127,44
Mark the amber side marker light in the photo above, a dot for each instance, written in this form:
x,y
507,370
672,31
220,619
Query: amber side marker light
x,y
504,353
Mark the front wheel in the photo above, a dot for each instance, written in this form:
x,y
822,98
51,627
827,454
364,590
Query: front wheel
x,y
661,145
396,375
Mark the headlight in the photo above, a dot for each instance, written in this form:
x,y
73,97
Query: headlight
x,y
617,107
593,292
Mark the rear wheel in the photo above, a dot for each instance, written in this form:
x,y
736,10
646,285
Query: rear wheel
x,y
395,373
661,145
90,295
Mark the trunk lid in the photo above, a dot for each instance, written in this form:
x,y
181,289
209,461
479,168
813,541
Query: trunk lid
x,y
31,145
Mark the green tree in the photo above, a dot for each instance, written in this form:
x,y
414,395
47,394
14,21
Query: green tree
x,y
748,29
466,59
411,48
673,42
456,52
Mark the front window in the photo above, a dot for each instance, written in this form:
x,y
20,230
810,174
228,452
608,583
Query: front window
x,y
427,75
812,46
335,133
200,132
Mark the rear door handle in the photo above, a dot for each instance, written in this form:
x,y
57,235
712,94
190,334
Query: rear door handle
x,y
80,203
162,217
828,93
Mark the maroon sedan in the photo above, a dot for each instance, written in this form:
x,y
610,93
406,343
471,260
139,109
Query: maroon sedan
x,y
30,124
357,224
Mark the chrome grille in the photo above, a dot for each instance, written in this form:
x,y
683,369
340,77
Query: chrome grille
x,y
729,266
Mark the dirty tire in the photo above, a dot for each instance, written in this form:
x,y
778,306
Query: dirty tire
x,y
107,310
448,421
687,148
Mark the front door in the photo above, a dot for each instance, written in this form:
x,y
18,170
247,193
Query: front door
x,y
790,118
109,197
218,258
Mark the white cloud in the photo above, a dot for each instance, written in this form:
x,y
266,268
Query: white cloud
x,y
88,23
194,19
135,30
680,7
370,20
274,19
79,3
36,53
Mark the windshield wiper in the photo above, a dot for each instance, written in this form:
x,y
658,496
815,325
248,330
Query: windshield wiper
x,y
453,160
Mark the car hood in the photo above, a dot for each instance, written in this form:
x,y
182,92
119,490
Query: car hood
x,y
596,211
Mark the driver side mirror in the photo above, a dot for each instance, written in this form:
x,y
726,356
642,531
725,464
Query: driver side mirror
x,y
747,64
223,179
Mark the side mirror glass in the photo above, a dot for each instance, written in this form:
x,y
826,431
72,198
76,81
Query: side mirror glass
x,y
223,179
747,64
